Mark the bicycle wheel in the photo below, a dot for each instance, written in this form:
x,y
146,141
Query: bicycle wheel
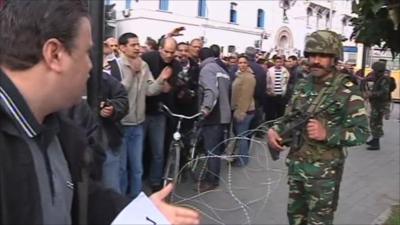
x,y
172,166
198,163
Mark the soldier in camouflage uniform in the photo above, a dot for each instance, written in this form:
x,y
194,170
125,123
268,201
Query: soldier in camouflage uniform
x,y
315,168
379,99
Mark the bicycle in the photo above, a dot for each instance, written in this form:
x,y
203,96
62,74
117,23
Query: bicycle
x,y
172,167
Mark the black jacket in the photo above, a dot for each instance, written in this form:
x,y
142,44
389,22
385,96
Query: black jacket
x,y
115,70
114,93
187,90
156,65
19,194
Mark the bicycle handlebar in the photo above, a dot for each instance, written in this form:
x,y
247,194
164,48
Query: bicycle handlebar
x,y
179,115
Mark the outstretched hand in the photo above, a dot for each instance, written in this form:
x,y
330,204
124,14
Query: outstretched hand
x,y
176,32
175,214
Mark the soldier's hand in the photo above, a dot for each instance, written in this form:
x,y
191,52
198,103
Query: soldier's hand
x,y
316,130
274,140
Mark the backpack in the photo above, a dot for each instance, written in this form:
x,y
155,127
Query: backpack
x,y
392,84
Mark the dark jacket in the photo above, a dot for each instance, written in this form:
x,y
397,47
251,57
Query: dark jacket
x,y
114,93
187,90
381,90
19,190
156,65
115,70
295,75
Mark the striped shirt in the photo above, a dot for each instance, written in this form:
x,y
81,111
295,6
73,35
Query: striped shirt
x,y
278,81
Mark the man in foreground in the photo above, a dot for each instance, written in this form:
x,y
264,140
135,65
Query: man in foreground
x,y
43,156
337,119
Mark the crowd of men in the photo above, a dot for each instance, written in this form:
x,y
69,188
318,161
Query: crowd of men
x,y
188,78
44,176
244,90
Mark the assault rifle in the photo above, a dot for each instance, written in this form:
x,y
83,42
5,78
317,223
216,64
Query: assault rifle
x,y
295,127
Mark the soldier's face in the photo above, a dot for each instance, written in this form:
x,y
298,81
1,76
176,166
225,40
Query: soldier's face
x,y
321,64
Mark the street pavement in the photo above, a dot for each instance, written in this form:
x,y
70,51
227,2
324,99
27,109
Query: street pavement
x,y
258,194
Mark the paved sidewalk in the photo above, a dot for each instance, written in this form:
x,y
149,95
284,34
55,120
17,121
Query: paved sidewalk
x,y
370,186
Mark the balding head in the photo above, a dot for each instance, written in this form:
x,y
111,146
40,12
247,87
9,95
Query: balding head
x,y
112,42
167,49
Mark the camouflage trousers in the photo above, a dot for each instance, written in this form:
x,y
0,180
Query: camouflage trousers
x,y
376,120
313,192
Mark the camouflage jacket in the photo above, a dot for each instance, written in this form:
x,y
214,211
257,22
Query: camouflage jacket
x,y
380,93
342,112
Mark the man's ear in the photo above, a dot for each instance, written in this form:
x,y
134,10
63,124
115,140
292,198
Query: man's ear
x,y
122,48
53,51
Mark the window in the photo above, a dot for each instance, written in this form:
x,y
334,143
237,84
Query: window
x,y
164,5
344,21
344,24
127,4
260,18
327,19
202,8
309,14
319,17
108,2
233,13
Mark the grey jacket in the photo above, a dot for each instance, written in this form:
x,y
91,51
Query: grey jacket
x,y
138,85
216,83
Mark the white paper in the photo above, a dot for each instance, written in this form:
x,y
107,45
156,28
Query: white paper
x,y
140,211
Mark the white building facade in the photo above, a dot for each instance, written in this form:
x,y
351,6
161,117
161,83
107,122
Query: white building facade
x,y
234,25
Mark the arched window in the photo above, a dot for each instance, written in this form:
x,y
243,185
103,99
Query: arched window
x,y
233,13
319,17
327,19
202,8
309,14
260,18
344,21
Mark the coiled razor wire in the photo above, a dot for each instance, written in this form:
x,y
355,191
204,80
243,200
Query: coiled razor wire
x,y
230,191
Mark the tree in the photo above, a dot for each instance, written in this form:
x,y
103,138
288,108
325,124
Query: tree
x,y
377,23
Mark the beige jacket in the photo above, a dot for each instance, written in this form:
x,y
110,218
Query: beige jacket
x,y
243,88
138,85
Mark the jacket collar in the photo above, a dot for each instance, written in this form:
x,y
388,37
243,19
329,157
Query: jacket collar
x,y
206,61
14,104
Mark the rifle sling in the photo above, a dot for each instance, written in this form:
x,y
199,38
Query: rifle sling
x,y
323,94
